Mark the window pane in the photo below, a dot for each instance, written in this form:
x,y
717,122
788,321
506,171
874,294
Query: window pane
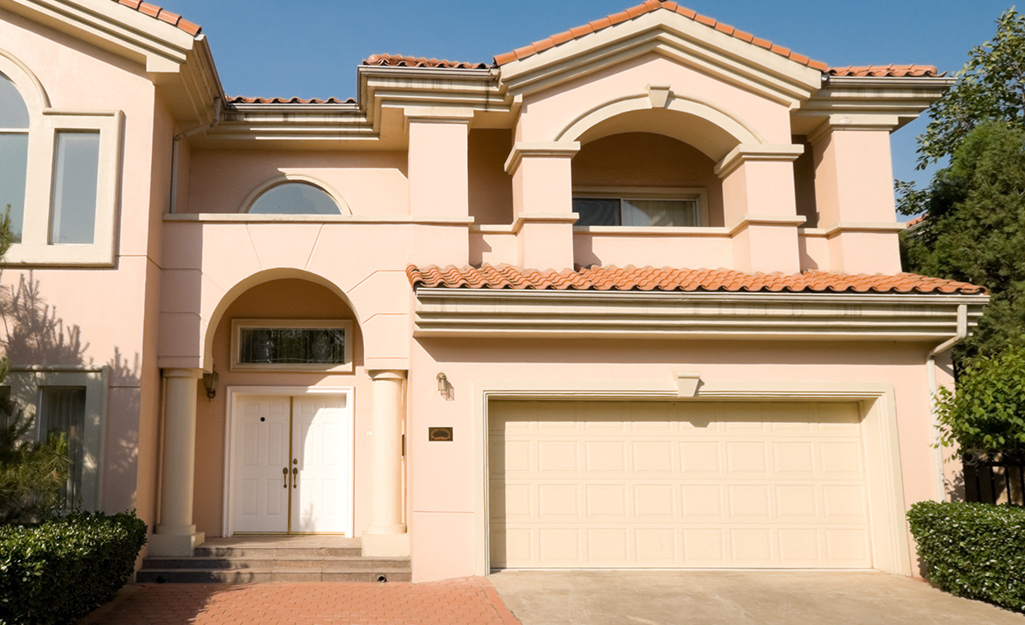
x,y
13,112
596,211
295,198
62,410
74,191
13,164
291,346
660,212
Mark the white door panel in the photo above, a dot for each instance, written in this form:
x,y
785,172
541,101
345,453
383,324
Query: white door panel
x,y
306,491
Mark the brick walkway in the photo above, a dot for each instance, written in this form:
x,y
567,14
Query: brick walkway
x,y
471,601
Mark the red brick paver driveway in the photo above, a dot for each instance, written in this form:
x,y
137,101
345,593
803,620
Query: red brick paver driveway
x,y
470,601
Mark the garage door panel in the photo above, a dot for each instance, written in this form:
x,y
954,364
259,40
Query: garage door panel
x,y
576,484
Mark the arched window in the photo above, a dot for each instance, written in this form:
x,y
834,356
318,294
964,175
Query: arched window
x,y
14,122
294,198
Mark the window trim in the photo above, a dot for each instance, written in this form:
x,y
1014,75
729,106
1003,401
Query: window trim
x,y
44,124
267,185
26,381
236,344
700,194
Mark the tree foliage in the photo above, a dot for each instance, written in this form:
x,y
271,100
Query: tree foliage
x,y
987,414
991,85
974,229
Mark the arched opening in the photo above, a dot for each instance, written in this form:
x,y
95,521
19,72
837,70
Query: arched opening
x,y
640,178
275,446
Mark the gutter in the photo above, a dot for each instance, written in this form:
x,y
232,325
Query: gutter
x,y
962,333
175,150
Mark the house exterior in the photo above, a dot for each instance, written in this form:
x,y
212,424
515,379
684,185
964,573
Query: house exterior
x,y
628,297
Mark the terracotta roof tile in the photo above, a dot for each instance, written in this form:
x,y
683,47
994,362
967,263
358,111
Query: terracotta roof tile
x,y
399,60
154,11
667,279
238,99
885,70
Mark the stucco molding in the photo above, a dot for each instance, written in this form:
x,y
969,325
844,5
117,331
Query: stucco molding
x,y
442,313
539,149
745,153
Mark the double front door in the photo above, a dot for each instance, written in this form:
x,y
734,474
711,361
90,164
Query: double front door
x,y
292,467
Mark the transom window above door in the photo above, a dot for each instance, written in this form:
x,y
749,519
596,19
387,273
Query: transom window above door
x,y
291,345
642,208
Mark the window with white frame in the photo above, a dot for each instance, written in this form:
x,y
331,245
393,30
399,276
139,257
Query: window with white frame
x,y
640,207
71,401
58,175
291,345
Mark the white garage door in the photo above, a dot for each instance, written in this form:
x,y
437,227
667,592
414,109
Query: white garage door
x,y
671,485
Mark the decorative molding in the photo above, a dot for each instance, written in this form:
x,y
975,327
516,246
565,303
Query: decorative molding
x,y
442,312
539,149
746,153
241,218
789,221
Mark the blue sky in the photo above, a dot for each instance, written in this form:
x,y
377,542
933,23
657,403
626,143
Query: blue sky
x,y
310,48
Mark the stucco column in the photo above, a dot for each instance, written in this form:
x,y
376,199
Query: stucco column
x,y
854,193
176,535
438,162
386,533
543,203
761,206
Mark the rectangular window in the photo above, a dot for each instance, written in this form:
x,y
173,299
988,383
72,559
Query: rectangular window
x,y
62,410
76,175
292,345
13,171
639,212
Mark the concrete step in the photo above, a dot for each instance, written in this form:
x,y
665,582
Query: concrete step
x,y
277,552
268,561
262,576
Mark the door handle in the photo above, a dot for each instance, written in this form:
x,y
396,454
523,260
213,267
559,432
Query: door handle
x,y
295,472
284,473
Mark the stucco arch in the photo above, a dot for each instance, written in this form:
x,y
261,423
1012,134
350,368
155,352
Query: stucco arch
x,y
28,85
256,279
267,185
701,124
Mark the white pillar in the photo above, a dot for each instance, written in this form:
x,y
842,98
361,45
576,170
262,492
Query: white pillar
x,y
386,533
175,533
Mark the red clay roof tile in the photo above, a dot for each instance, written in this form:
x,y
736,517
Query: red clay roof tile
x,y
668,279
165,16
238,99
885,70
399,60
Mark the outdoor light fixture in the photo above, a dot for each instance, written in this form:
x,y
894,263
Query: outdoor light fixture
x,y
210,383
442,382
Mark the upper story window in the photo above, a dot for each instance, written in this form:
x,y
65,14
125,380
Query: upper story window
x,y
294,198
640,208
14,123
58,174
291,345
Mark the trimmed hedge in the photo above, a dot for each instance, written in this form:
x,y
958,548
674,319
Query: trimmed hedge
x,y
973,550
57,572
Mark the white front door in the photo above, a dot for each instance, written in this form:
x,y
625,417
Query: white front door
x,y
292,471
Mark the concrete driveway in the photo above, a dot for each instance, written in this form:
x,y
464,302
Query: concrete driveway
x,y
732,597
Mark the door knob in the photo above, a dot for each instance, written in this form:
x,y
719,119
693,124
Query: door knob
x,y
284,474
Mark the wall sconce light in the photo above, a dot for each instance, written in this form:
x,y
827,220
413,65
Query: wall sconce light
x,y
210,383
442,383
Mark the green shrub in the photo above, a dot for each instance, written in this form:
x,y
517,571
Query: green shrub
x,y
59,571
973,550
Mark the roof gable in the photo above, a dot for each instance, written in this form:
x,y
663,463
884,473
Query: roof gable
x,y
670,30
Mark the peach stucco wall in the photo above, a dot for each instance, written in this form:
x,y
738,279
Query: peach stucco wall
x,y
103,316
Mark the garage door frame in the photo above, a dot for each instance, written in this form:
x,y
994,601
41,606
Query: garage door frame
x,y
888,527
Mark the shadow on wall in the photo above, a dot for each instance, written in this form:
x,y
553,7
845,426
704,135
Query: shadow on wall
x,y
36,335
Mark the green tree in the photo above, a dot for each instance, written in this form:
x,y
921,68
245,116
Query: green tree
x,y
974,209
32,474
991,85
